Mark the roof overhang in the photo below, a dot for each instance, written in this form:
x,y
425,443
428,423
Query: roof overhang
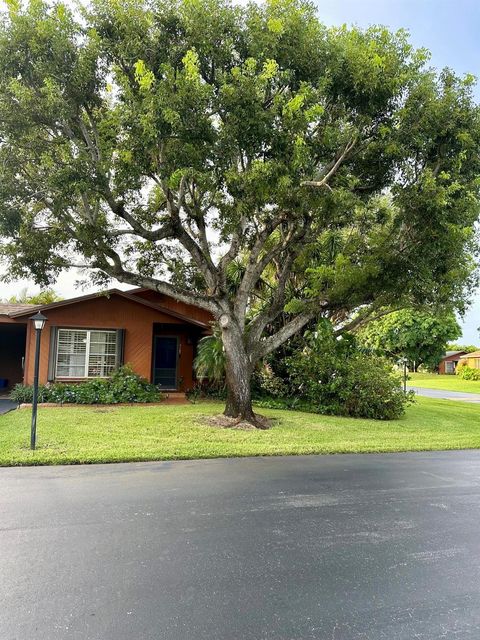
x,y
108,294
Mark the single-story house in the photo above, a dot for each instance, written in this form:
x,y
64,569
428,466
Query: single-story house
x,y
448,364
91,335
471,360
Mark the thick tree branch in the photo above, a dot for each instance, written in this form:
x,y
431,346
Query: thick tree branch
x,y
152,235
232,252
198,216
203,261
361,320
117,207
254,269
274,307
95,132
289,245
287,331
117,271
92,147
332,168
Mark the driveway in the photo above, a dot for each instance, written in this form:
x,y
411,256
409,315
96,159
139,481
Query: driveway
x,y
346,547
7,405
446,395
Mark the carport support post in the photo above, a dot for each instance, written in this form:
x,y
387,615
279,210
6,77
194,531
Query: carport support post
x,y
39,322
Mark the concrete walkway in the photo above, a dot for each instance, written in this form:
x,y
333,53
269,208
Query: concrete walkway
x,y
446,395
6,405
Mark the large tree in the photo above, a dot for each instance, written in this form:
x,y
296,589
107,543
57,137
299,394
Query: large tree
x,y
421,336
244,159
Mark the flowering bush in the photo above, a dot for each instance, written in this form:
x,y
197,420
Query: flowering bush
x,y
123,386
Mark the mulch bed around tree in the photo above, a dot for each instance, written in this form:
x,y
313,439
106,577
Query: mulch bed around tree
x,y
225,422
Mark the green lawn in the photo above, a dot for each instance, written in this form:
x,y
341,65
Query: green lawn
x,y
447,383
88,434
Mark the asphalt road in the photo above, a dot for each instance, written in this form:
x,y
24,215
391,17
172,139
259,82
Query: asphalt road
x,y
371,547
446,395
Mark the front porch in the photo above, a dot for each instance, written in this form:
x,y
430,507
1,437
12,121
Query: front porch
x,y
173,352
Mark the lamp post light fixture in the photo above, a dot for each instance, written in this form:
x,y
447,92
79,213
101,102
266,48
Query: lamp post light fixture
x,y
38,322
403,362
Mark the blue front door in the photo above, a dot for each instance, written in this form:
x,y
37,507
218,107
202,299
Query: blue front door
x,y
165,356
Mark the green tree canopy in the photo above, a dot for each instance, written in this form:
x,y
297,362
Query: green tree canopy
x,y
420,336
155,142
468,348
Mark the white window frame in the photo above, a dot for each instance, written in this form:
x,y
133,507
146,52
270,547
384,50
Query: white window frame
x,y
87,352
449,366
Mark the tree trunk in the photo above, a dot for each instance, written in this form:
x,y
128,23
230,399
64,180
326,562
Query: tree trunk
x,y
239,401
238,373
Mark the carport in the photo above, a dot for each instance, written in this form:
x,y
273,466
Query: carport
x,y
12,354
13,334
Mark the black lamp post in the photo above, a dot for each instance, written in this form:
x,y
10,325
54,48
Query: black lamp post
x,y
38,322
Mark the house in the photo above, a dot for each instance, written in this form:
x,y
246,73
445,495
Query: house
x,y
471,360
448,363
91,335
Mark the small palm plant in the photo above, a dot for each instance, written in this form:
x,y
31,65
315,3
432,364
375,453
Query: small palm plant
x,y
210,360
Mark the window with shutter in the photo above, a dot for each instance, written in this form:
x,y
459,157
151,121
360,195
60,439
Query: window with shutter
x,y
85,353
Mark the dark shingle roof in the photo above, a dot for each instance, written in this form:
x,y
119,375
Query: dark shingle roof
x,y
7,308
19,313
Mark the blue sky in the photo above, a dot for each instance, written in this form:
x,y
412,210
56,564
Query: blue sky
x,y
450,29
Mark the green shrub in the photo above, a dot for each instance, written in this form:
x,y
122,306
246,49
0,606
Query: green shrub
x,y
266,382
123,386
335,377
127,386
293,403
468,373
204,389
24,394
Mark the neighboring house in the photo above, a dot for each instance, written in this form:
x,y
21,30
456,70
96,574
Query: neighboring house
x,y
448,364
90,336
471,360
